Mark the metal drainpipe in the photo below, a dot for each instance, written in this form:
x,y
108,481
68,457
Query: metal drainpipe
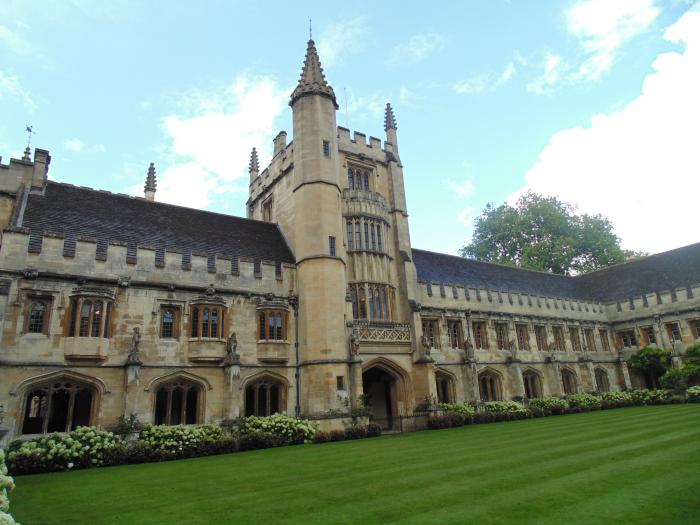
x,y
294,301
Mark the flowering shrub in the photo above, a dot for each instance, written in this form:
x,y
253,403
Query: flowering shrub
x,y
584,402
6,486
287,429
503,410
650,397
547,406
465,409
177,440
81,448
693,394
616,399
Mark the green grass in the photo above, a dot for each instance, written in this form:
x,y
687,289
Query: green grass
x,y
632,466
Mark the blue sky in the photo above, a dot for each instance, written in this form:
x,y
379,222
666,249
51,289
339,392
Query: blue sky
x,y
591,100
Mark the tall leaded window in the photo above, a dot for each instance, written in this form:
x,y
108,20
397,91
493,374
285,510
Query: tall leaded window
x,y
351,179
601,380
454,333
627,338
575,339
502,336
590,340
674,332
366,236
559,344
490,386
523,337
445,387
89,317
38,314
351,244
605,343
365,177
272,325
363,304
480,338
649,335
379,237
541,338
533,384
568,379
358,237
331,246
371,301
167,323
178,403
207,321
57,406
374,240
430,332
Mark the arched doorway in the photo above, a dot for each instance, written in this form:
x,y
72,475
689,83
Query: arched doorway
x,y
568,379
533,384
380,388
445,387
490,386
265,395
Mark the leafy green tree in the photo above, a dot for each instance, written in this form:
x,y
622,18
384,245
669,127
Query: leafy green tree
x,y
543,233
653,362
678,379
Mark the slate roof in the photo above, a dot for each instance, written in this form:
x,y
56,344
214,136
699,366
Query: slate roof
x,y
663,271
440,268
75,212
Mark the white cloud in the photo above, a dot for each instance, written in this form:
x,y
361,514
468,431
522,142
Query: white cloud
x,y
554,71
484,83
466,216
463,188
75,145
10,86
342,38
418,48
601,28
211,138
361,106
408,97
15,42
639,165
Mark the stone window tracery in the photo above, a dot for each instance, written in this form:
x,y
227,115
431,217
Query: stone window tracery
x,y
502,335
169,322
57,406
541,338
627,338
559,344
454,333
533,384
480,337
90,317
601,380
178,403
568,379
523,337
430,332
674,332
264,397
575,339
272,325
605,343
445,387
207,321
590,340
375,299
649,335
489,386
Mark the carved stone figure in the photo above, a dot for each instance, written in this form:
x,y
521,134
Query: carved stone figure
x,y
134,358
354,343
232,356
469,349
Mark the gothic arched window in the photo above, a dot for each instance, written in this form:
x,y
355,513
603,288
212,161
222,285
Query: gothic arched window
x,y
178,403
445,387
601,380
264,397
533,384
490,386
57,406
568,379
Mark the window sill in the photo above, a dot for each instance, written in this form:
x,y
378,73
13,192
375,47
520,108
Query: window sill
x,y
273,341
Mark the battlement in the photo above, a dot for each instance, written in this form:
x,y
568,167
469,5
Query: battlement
x,y
358,144
30,173
57,255
461,297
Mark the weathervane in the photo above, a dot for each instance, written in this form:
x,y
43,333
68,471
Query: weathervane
x,y
30,132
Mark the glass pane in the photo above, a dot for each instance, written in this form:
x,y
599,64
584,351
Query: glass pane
x,y
214,322
195,321
279,327
108,311
82,406
36,318
262,325
59,411
73,316
35,412
96,319
85,319
271,324
166,329
205,322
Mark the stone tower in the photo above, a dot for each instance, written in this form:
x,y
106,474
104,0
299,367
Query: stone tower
x,y
317,238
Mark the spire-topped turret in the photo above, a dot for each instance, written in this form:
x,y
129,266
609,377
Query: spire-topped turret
x,y
389,118
312,80
254,166
390,128
150,187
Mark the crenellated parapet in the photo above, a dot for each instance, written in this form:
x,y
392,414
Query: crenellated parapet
x,y
60,256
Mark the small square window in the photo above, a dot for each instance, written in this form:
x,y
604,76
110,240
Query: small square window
x,y
326,148
340,382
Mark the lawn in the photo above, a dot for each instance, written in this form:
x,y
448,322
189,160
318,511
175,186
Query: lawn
x,y
632,465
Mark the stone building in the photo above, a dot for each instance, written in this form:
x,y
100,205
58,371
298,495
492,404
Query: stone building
x,y
112,304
